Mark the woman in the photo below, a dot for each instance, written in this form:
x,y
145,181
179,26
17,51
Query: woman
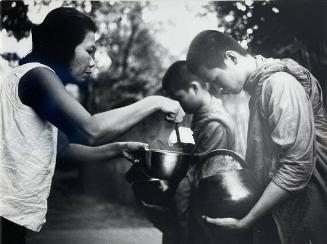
x,y
34,104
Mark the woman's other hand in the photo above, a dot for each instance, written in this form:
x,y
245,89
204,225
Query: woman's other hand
x,y
129,150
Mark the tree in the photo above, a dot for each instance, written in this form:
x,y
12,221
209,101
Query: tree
x,y
14,18
135,59
136,65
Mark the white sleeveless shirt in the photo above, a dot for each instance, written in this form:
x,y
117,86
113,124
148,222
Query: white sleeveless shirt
x,y
27,156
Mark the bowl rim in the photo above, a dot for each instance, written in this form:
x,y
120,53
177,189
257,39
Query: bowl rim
x,y
167,151
215,152
224,172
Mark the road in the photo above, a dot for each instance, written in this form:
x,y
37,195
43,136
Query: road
x,y
142,235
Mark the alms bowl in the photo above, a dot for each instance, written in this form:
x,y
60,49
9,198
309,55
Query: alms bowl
x,y
165,165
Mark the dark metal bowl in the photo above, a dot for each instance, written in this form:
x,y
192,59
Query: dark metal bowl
x,y
228,194
165,165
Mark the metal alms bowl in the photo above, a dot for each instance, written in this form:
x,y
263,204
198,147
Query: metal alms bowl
x,y
228,194
166,165
226,188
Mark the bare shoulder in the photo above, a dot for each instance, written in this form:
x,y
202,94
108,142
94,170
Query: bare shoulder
x,y
40,74
38,84
40,80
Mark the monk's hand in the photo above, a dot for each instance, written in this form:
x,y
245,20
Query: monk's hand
x,y
228,224
171,108
130,150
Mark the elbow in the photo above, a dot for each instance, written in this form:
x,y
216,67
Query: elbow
x,y
93,137
96,135
91,141
89,135
93,133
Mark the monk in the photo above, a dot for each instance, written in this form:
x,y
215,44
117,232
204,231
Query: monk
x,y
287,138
213,128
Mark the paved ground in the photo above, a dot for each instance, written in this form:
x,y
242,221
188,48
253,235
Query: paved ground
x,y
74,218
141,235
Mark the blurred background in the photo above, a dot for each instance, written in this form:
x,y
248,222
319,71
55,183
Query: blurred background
x,y
136,42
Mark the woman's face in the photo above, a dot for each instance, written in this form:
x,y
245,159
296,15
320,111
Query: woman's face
x,y
83,60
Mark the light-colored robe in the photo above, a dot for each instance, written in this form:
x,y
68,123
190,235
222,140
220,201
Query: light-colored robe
x,y
213,128
286,122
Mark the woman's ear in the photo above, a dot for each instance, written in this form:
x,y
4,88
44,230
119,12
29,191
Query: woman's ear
x,y
230,56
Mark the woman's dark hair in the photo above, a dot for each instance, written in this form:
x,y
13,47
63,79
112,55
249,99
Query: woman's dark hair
x,y
208,49
55,39
178,77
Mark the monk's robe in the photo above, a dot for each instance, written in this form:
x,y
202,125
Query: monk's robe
x,y
287,144
213,128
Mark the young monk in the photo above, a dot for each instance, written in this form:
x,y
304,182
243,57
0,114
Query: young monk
x,y
212,127
209,114
287,138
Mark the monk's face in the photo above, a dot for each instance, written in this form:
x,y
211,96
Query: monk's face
x,y
187,98
228,79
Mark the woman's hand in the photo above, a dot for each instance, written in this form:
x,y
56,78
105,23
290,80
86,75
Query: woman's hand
x,y
230,224
129,150
171,108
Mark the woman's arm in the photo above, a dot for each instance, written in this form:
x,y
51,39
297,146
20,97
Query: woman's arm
x,y
42,90
79,154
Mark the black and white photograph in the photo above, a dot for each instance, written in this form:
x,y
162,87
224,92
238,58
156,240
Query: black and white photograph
x,y
163,122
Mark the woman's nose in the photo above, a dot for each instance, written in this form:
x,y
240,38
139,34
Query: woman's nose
x,y
92,63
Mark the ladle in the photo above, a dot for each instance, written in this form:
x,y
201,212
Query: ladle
x,y
177,133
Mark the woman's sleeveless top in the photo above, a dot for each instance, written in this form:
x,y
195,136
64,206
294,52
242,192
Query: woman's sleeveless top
x,y
27,155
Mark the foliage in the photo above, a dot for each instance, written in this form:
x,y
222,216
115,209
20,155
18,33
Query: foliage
x,y
135,57
136,66
14,18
